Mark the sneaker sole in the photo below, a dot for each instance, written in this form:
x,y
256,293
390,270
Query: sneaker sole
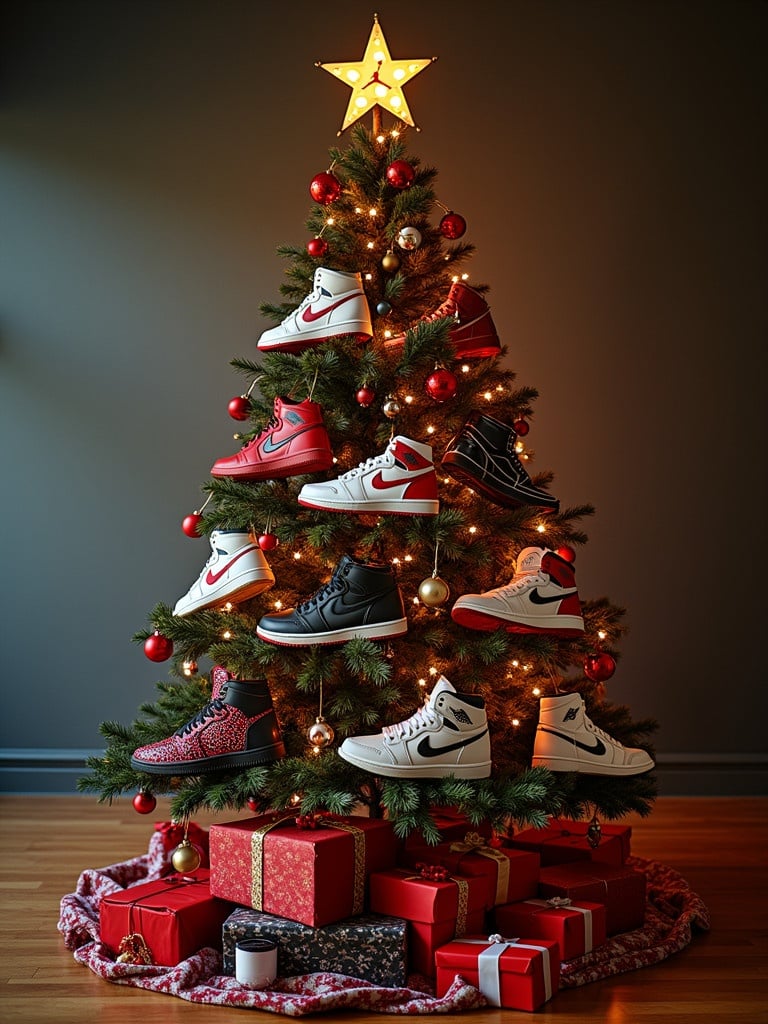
x,y
296,465
379,631
474,618
245,759
245,591
459,471
396,507
568,764
359,333
481,770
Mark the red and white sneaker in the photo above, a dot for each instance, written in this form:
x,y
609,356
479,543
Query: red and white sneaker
x,y
401,481
540,598
336,306
294,442
474,333
236,571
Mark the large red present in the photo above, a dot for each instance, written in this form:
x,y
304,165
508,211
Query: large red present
x,y
519,974
437,907
578,928
563,841
165,921
510,874
313,875
621,889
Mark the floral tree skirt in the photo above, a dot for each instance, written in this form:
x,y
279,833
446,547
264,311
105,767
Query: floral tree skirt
x,y
672,913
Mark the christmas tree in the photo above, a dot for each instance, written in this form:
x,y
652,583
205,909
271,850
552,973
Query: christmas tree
x,y
390,600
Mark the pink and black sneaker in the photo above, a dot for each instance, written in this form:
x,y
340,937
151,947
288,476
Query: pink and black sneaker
x,y
237,728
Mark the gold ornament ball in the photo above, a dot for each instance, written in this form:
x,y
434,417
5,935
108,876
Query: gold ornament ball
x,y
391,408
320,734
185,857
390,261
433,592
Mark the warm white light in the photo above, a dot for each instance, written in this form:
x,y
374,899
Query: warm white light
x,y
430,429
519,447
536,691
515,663
380,138
278,605
465,277
358,209
422,682
228,607
361,102
373,212
395,561
352,75
330,221
601,634
226,635
395,102
369,277
515,722
473,529
370,245
432,670
335,460
408,558
380,91
487,396
415,600
297,555
408,399
465,368
541,528
387,334
398,75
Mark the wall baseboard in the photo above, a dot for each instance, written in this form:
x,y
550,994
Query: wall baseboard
x,y
49,771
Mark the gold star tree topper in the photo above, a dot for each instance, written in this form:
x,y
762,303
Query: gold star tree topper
x,y
377,79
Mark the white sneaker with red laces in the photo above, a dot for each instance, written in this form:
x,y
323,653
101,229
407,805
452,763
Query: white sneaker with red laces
x,y
401,481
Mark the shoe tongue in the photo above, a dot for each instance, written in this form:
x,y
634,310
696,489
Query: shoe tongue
x,y
529,561
219,679
441,686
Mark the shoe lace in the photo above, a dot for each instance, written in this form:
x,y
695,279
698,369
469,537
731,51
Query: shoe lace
x,y
446,308
210,710
334,585
523,582
312,297
403,730
590,725
373,463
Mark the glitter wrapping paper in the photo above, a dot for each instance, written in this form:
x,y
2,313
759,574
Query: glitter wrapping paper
x,y
564,841
621,889
371,947
519,974
436,911
313,875
577,928
175,916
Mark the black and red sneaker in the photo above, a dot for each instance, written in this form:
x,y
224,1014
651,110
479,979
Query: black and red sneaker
x,y
237,728
473,333
293,442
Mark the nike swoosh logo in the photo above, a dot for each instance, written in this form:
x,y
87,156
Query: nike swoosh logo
x,y
309,315
212,577
425,748
270,446
380,484
598,748
536,598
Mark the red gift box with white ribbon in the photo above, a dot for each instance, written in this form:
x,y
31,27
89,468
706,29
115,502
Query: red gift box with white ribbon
x,y
518,974
621,889
577,927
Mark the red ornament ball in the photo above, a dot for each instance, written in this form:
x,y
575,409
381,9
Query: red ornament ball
x,y
325,188
267,541
441,385
317,247
365,396
158,647
452,225
191,525
599,667
521,427
144,802
400,174
239,408
566,552
253,805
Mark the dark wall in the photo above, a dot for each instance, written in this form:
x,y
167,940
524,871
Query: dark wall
x,y
610,160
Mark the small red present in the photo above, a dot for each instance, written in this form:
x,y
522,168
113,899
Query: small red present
x,y
437,906
621,889
451,824
315,875
510,874
519,974
563,841
163,922
578,928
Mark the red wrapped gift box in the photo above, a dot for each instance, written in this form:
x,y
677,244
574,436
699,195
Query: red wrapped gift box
x,y
437,907
165,921
621,889
313,875
519,974
563,841
451,824
578,928
510,874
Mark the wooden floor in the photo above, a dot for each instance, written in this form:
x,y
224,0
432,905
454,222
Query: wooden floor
x,y
719,845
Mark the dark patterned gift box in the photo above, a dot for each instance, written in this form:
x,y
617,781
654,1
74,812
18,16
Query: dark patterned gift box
x,y
372,947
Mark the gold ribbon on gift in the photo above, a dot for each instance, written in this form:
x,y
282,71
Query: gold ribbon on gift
x,y
257,859
462,897
475,843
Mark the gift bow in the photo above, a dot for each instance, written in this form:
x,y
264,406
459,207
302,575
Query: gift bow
x,y
438,873
433,872
475,843
488,973
563,903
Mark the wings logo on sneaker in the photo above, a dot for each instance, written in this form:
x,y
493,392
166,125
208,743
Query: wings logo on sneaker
x,y
425,748
461,716
309,315
536,598
213,577
598,749
570,714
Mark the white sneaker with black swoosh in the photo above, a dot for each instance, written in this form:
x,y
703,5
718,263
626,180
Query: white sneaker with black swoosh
x,y
540,598
568,741
448,735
